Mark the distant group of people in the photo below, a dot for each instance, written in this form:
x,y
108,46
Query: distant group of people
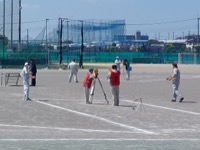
x,y
125,66
30,70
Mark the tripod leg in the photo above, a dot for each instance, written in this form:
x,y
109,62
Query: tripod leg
x,y
103,91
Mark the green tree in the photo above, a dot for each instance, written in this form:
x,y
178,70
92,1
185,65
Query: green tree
x,y
197,48
153,42
4,39
169,48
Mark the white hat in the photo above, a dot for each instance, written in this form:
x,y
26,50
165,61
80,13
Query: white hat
x,y
117,57
25,64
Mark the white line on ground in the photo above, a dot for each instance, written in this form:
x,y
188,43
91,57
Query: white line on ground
x,y
99,118
93,139
161,107
65,129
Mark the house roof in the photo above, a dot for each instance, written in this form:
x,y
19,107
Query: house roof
x,y
174,41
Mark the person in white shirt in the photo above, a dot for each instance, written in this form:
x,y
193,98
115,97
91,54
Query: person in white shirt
x,y
25,74
117,63
175,78
73,71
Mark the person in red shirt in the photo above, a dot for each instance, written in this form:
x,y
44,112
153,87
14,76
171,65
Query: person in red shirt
x,y
89,77
114,79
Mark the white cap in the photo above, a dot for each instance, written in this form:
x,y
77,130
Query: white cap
x,y
117,57
25,64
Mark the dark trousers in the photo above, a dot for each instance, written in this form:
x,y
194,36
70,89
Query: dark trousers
x,y
33,82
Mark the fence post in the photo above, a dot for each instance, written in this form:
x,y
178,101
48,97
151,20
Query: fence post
x,y
179,58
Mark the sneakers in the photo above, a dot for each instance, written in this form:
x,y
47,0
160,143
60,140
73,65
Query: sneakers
x,y
88,102
181,99
28,99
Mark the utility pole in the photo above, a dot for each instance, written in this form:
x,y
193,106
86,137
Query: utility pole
x,y
68,40
46,45
198,31
60,40
82,47
27,37
19,28
4,25
20,8
11,27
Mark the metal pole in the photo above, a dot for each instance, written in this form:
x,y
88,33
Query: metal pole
x,y
27,37
11,36
20,8
60,41
82,47
47,45
4,25
198,32
67,40
46,34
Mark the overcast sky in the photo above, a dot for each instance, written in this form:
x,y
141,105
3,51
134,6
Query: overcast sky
x,y
173,16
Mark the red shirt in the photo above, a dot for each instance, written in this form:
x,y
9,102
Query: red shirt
x,y
115,78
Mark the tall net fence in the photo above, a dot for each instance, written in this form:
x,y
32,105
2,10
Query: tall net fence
x,y
65,35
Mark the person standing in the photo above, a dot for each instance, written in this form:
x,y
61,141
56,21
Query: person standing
x,y
117,63
33,71
114,79
73,71
87,82
25,75
127,68
175,78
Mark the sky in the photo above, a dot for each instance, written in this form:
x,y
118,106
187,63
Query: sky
x,y
156,18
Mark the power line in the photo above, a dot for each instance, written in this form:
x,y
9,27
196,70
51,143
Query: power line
x,y
169,22
129,24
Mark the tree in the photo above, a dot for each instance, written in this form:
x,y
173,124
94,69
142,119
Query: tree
x,y
4,39
142,48
153,42
169,48
197,48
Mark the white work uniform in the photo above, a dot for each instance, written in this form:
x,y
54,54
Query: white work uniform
x,y
25,75
117,63
73,71
175,83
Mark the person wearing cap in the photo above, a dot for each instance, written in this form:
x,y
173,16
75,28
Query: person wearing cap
x,y
87,82
73,71
25,75
114,80
175,78
117,63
